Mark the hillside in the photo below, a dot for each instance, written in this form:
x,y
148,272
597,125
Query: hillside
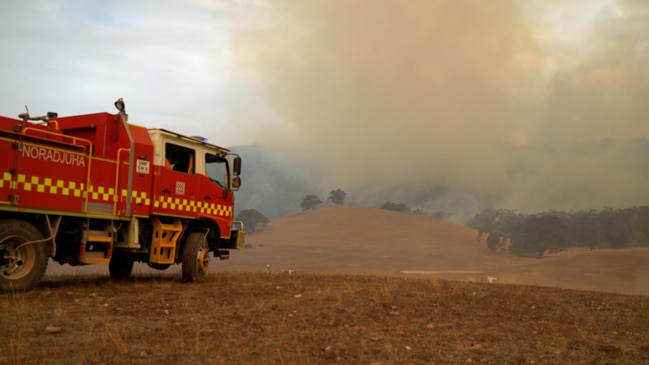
x,y
359,240
362,227
373,241
363,240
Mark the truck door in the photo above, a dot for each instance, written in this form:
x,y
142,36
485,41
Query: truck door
x,y
177,186
218,198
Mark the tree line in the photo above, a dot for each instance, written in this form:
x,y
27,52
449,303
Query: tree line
x,y
536,234
253,219
404,208
336,196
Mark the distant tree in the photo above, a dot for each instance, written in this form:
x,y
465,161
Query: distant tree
x,y
533,235
507,222
418,212
540,234
252,219
440,214
337,196
485,221
523,247
494,241
310,202
397,207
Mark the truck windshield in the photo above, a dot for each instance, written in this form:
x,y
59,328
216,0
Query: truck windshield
x,y
216,169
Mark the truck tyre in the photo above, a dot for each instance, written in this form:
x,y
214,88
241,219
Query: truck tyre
x,y
22,264
120,267
196,258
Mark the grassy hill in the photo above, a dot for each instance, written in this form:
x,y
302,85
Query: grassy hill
x,y
360,240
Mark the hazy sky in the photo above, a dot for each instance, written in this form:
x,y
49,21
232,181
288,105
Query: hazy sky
x,y
171,61
433,91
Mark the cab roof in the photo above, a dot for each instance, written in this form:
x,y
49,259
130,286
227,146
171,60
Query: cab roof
x,y
164,132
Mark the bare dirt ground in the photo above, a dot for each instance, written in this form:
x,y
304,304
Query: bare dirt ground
x,y
369,287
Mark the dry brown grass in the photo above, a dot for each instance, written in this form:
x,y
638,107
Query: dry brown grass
x,y
246,318
399,296
367,241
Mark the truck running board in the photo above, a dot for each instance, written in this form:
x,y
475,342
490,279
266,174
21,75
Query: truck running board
x,y
96,247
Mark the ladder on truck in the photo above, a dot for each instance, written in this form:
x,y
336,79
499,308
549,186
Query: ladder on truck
x,y
96,246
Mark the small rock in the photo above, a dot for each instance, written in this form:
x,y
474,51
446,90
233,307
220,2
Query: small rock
x,y
297,296
476,346
609,348
53,329
431,326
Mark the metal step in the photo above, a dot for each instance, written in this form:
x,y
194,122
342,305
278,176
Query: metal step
x,y
100,239
99,236
96,247
164,241
95,257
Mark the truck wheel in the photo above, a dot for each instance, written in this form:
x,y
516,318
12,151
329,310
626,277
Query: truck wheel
x,y
22,264
120,267
196,258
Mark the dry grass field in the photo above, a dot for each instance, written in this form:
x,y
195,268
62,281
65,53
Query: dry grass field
x,y
278,318
369,287
359,240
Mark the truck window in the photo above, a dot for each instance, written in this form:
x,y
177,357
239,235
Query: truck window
x,y
216,169
179,158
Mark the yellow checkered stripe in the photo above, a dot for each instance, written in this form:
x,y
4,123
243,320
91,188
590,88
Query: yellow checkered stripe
x,y
101,193
67,188
44,185
192,206
138,197
6,180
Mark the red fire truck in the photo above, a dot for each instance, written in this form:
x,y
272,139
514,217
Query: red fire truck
x,y
93,189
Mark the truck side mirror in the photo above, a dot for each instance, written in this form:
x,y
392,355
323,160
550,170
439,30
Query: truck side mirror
x,y
237,166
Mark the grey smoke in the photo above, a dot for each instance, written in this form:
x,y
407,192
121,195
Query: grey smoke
x,y
394,98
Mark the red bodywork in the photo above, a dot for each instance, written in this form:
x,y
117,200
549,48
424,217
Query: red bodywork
x,y
98,165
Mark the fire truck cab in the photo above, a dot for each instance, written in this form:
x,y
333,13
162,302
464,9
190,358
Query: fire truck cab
x,y
95,189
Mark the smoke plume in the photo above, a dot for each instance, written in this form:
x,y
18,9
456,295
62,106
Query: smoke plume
x,y
501,103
